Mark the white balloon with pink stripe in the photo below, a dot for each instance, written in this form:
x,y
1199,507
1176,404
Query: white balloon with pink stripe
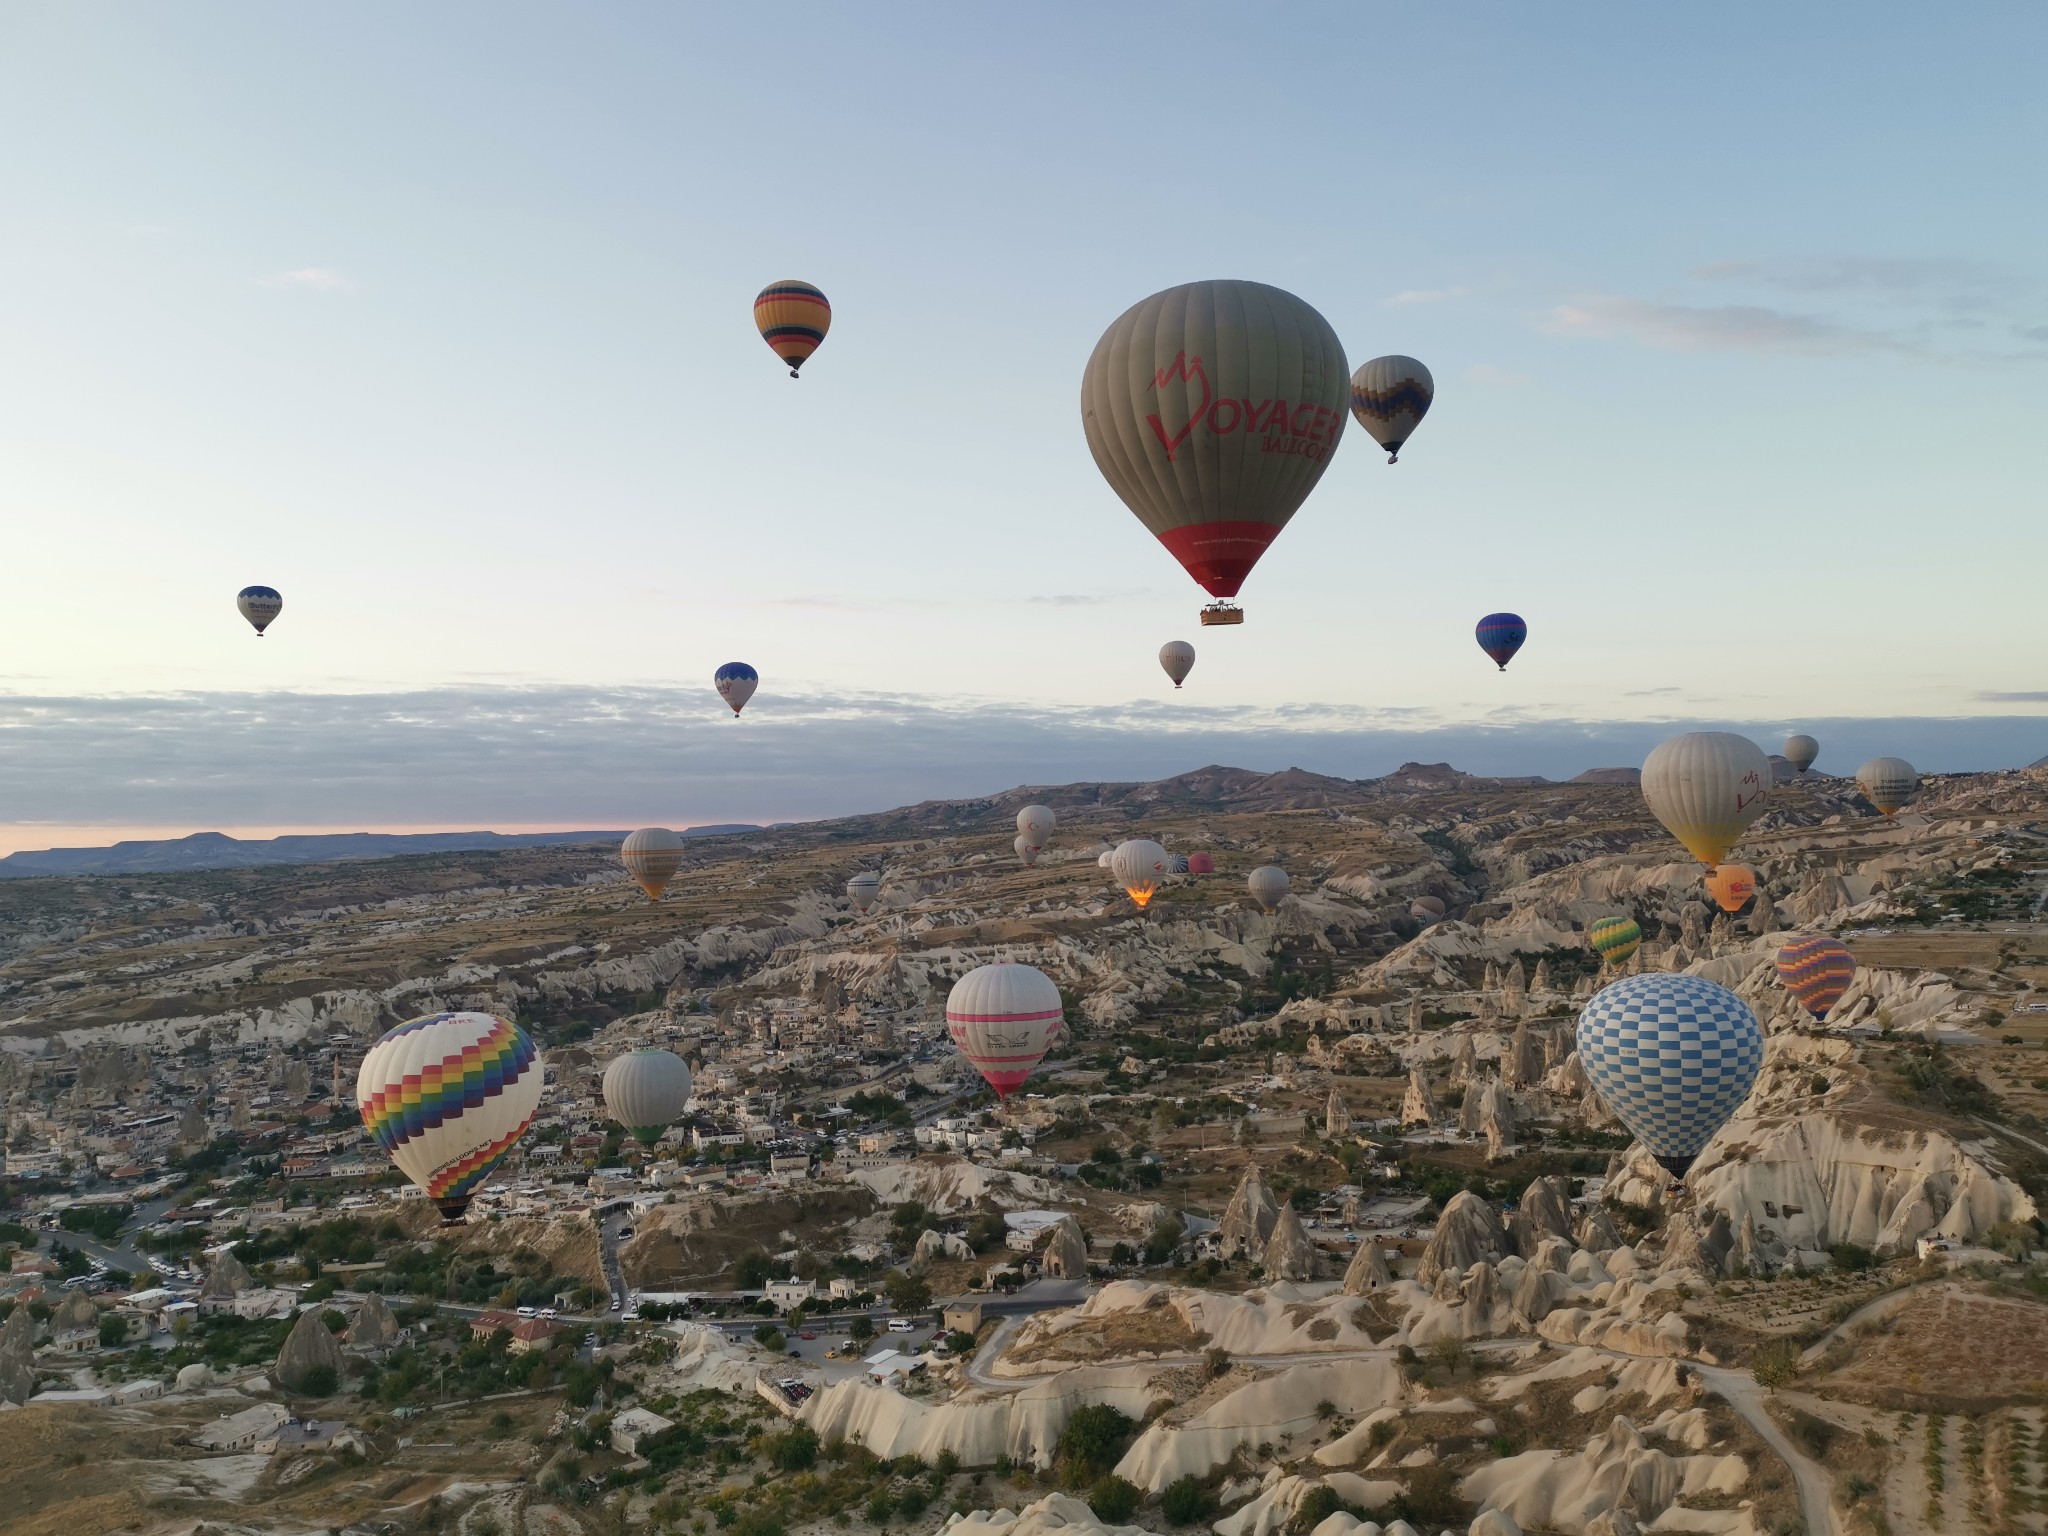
x,y
1004,1018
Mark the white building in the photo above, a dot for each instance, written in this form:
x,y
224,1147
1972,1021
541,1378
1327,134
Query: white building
x,y
241,1431
785,1294
632,1426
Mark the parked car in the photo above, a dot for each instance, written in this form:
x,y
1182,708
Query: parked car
x,y
808,1333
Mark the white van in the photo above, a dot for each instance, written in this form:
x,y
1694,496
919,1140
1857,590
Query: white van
x,y
902,1325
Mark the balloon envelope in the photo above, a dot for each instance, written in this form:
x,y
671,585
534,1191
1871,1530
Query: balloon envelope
x,y
1706,787
1179,864
863,888
1201,864
1800,751
1731,886
446,1096
1139,865
1390,396
1500,635
1211,410
1035,824
736,682
652,856
1816,971
1178,658
793,318
1025,850
1004,1018
259,606
1673,1056
1887,783
1102,859
1268,885
1614,939
647,1091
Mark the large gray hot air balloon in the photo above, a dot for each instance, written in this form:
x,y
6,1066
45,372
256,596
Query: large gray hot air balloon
x,y
1178,658
1390,396
652,856
1887,783
1800,751
1212,410
646,1091
1268,885
1707,787
863,888
1035,824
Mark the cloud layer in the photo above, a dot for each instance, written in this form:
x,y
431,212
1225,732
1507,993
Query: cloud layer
x,y
588,757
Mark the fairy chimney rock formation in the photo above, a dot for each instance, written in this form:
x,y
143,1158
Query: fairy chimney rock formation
x,y
1596,1231
1497,1118
309,1344
1066,1255
76,1311
1249,1218
1468,1233
1368,1269
1539,980
1289,1255
1336,1116
374,1327
1545,1211
1419,1106
226,1279
1463,1062
18,1356
1491,981
1414,1015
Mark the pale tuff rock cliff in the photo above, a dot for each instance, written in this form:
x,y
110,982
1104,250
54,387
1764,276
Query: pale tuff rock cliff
x,y
949,1186
308,1345
1545,1211
1289,1255
1497,1119
1273,1409
75,1311
1024,1425
1463,1062
1057,1514
1136,1320
1273,1511
1467,1233
1616,1471
1249,1219
1419,1107
1368,1269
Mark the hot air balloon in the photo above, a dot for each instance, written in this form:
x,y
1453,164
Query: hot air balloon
x,y
1816,971
1800,751
1500,635
1426,910
1102,859
793,318
1035,824
863,888
1178,658
1706,787
1179,864
259,606
1887,783
1025,850
1673,1056
646,1091
1004,1018
1614,939
1212,410
1731,886
736,682
652,856
1139,865
446,1096
1390,396
1268,885
1201,864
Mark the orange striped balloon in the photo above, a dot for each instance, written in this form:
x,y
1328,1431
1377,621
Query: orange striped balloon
x,y
793,318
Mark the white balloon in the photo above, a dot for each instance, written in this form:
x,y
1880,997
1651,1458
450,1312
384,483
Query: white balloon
x,y
863,888
1036,823
1004,1018
1178,658
1887,782
1268,885
647,1091
1800,751
1707,787
1139,865
1025,851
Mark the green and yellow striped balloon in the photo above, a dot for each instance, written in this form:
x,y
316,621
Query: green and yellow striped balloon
x,y
1616,938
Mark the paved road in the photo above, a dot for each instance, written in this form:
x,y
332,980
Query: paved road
x,y
1816,1501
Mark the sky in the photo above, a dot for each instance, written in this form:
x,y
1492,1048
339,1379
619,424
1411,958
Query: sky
x,y
439,321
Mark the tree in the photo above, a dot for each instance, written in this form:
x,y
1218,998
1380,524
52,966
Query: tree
x,y
862,1330
1186,1500
113,1331
1091,1442
318,1381
1113,1499
1775,1364
795,1450
908,1293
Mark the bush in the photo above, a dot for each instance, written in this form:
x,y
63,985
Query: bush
x,y
1775,1364
1091,1443
880,1507
319,1381
1852,1259
113,1332
1432,1498
1216,1363
796,1450
1186,1500
912,1502
1113,1499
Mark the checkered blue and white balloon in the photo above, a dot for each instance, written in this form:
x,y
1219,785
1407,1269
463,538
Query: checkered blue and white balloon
x,y
1673,1057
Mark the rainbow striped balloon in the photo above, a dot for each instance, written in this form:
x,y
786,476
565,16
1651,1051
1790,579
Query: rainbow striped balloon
x,y
793,318
446,1096
1816,971
1615,939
